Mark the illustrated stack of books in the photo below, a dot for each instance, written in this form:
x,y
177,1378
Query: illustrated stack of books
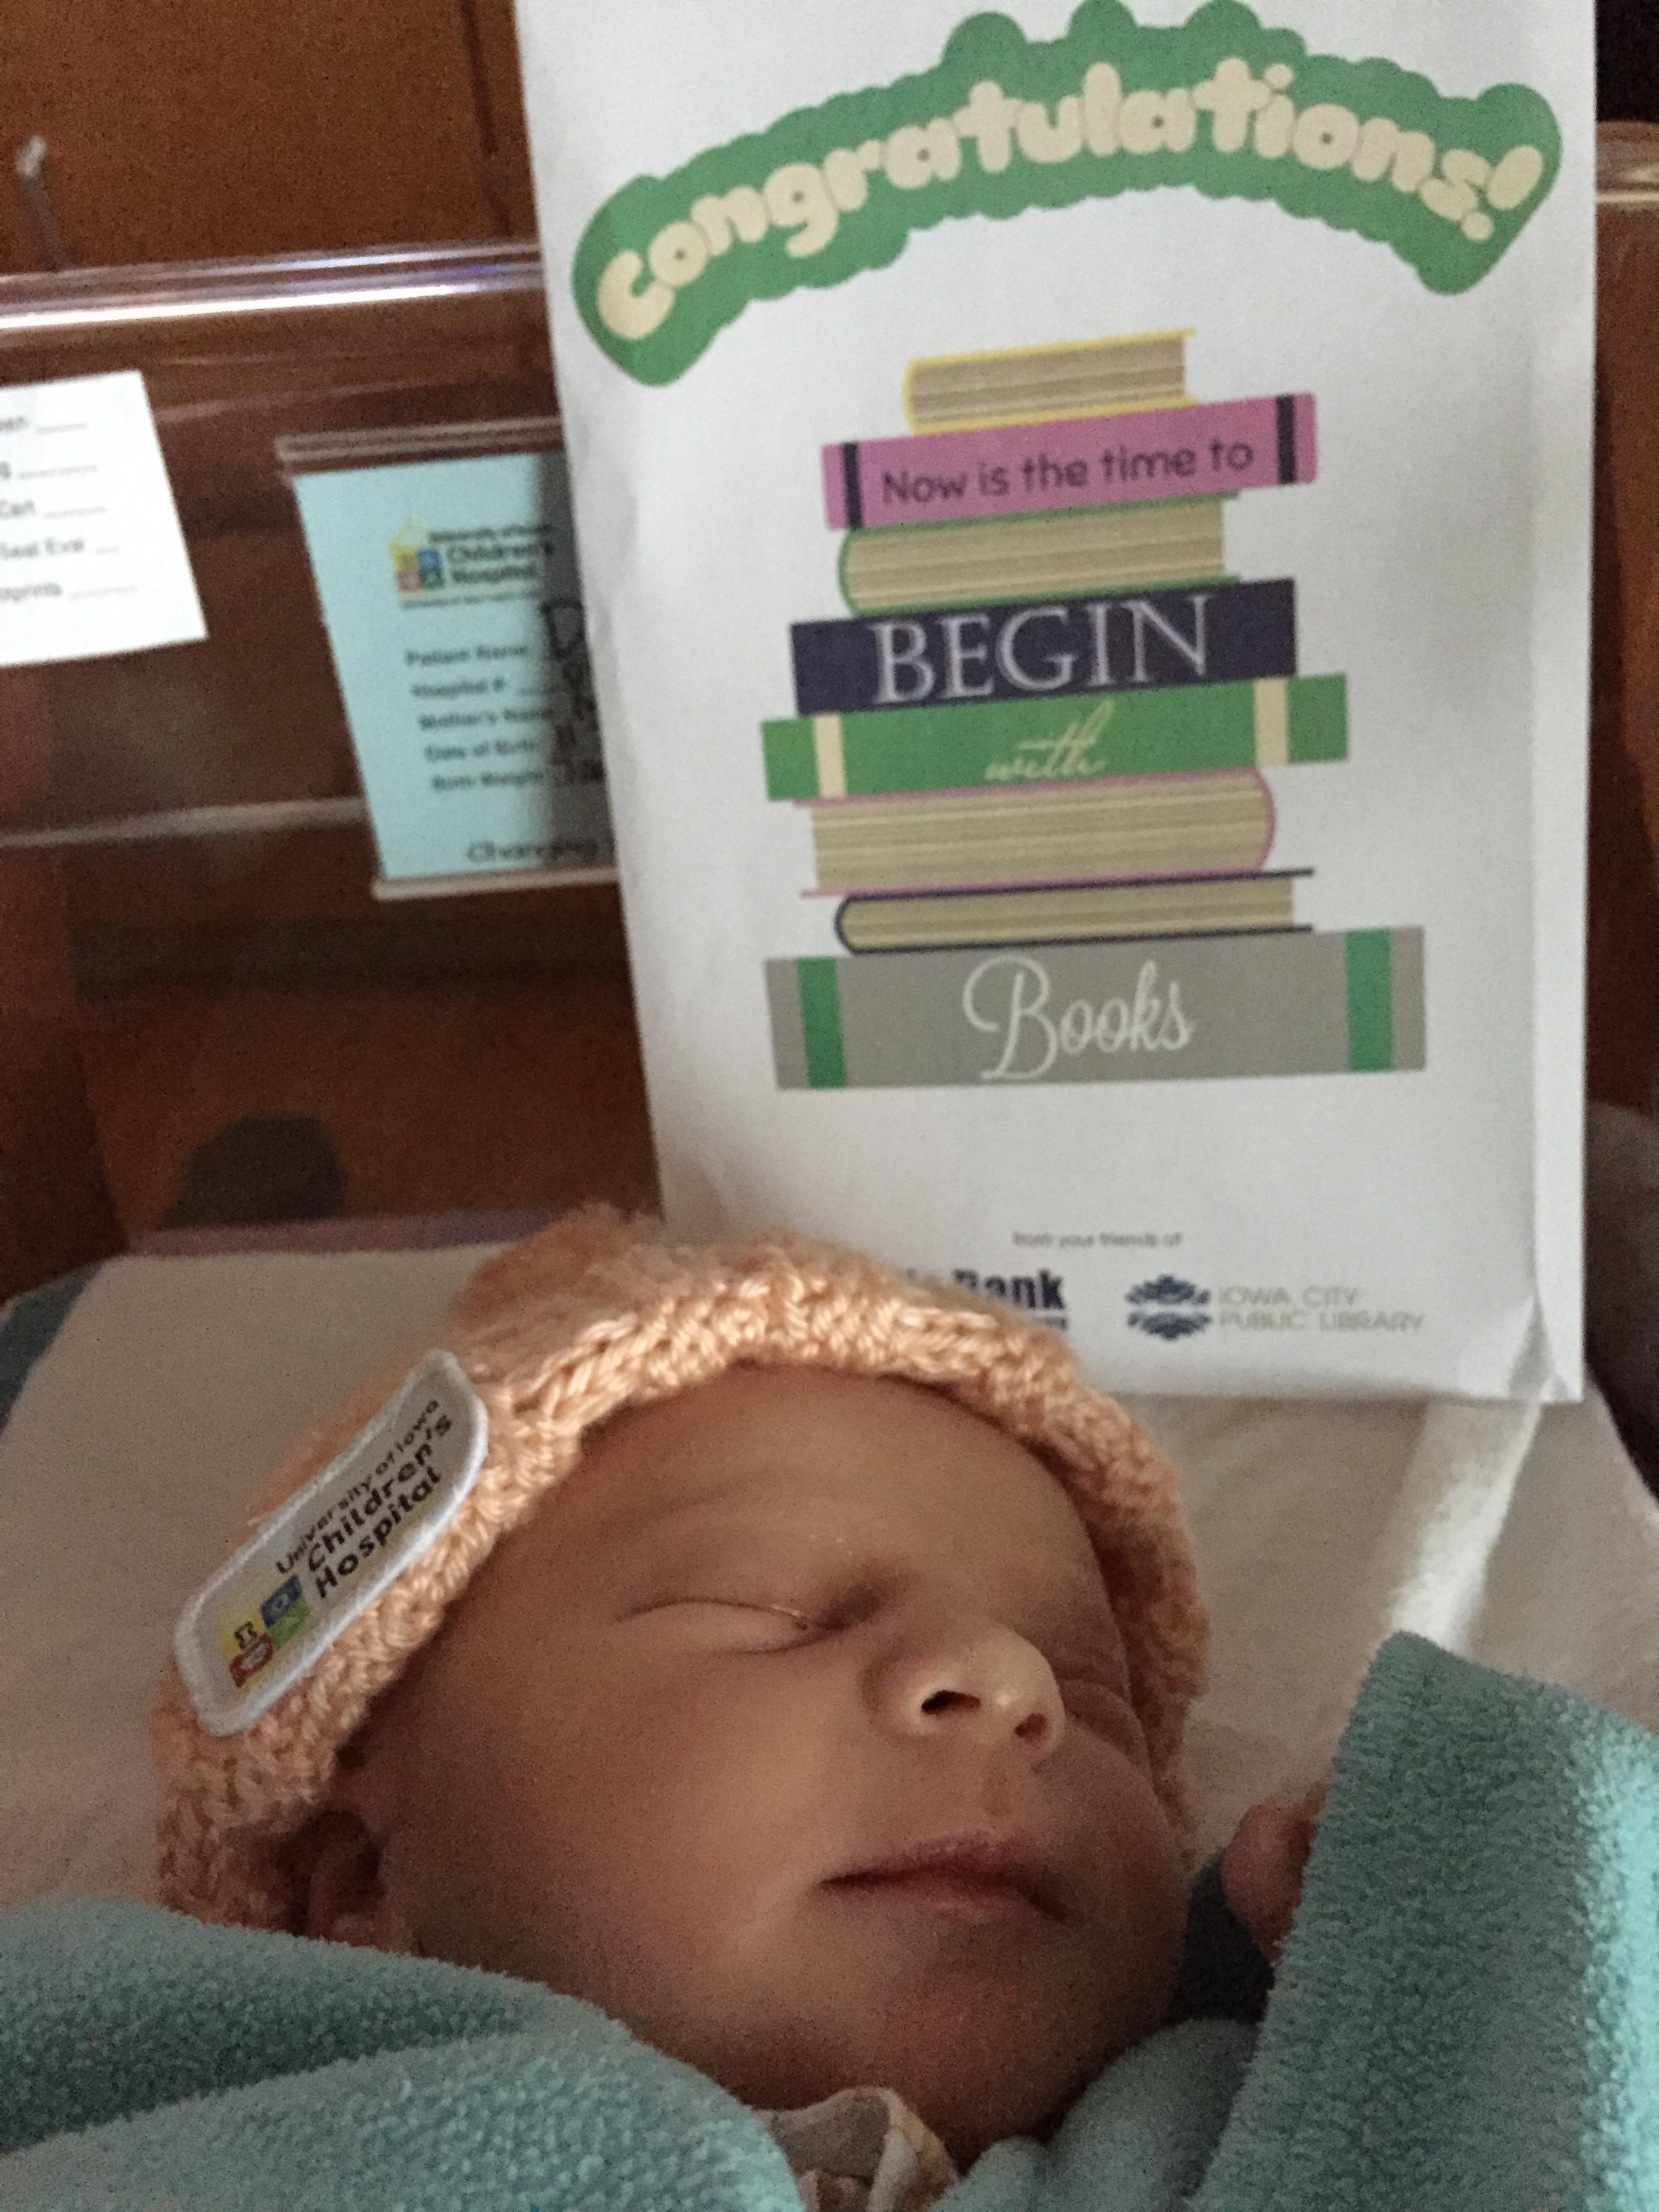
x,y
1046,722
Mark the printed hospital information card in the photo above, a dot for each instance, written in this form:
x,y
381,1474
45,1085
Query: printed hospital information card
x,y
92,558
450,593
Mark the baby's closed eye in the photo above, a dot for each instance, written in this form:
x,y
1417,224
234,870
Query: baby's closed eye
x,y
740,1623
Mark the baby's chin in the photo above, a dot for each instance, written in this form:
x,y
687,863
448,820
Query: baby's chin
x,y
971,2101
977,2065
978,2078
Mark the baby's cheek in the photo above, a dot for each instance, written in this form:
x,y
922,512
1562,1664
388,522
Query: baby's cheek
x,y
629,1833
1138,1882
692,1817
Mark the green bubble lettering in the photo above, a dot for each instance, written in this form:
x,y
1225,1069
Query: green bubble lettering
x,y
1006,124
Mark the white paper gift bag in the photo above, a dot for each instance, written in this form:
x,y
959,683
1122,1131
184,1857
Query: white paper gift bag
x,y
1083,521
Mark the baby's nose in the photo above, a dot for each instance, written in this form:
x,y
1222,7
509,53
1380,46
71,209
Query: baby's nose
x,y
970,1680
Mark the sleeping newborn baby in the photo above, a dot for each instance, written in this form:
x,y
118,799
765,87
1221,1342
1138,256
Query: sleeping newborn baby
x,y
798,1733
817,1714
773,1673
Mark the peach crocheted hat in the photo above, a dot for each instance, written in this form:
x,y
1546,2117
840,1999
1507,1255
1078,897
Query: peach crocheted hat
x,y
557,1334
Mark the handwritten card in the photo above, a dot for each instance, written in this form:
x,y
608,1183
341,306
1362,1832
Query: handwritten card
x,y
92,558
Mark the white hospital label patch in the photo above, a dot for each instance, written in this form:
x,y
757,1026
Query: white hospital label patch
x,y
261,1622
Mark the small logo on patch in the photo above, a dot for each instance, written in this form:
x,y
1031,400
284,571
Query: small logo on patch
x,y
286,1595
285,1613
1169,1306
250,1657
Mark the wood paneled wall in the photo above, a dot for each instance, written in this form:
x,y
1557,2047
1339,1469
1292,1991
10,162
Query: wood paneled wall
x,y
1624,844
182,129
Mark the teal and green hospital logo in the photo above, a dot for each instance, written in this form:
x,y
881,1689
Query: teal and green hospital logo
x,y
1004,125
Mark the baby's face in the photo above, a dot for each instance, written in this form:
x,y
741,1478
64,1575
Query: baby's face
x,y
794,1731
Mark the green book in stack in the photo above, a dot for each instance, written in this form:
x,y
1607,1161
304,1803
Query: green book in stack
x,y
1272,722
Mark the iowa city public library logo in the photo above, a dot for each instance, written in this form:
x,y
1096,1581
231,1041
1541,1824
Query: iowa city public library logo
x,y
1169,1306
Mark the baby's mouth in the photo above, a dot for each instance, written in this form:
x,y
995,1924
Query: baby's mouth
x,y
971,1876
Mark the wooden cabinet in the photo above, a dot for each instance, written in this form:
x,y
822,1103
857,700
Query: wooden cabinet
x,y
1623,954
179,130
185,129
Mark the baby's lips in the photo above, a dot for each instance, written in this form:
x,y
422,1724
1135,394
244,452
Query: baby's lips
x,y
978,1856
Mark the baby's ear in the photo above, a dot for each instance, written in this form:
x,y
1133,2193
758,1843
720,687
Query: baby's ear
x,y
1262,1869
336,1868
337,1862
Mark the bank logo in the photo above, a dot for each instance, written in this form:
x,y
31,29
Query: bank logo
x,y
1169,1306
1042,1296
416,563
